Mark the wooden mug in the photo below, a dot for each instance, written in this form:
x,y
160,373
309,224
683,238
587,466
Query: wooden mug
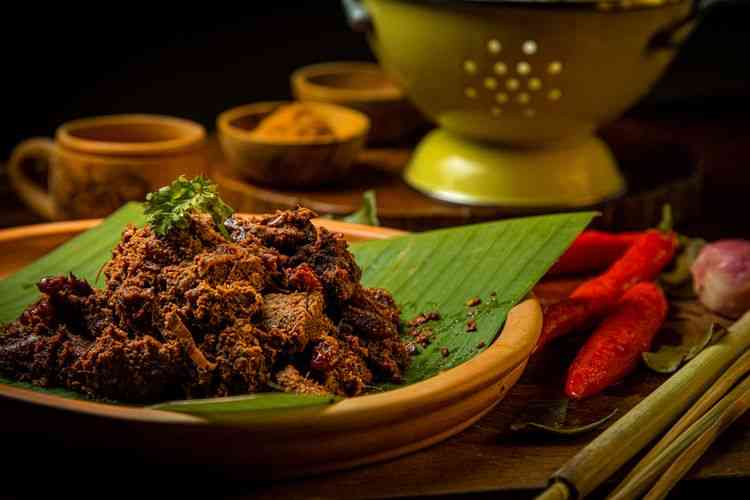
x,y
97,164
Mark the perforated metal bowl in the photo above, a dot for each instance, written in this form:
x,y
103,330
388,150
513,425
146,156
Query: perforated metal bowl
x,y
519,87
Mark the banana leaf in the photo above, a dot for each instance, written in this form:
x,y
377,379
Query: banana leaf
x,y
83,256
497,263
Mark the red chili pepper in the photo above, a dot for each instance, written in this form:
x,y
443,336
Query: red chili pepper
x,y
593,251
613,350
643,261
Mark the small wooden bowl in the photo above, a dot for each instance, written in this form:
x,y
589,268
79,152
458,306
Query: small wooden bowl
x,y
352,432
365,87
291,163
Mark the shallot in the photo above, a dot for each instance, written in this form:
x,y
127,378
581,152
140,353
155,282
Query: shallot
x,y
721,277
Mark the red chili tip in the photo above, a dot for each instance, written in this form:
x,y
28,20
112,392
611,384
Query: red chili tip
x,y
574,392
615,347
585,381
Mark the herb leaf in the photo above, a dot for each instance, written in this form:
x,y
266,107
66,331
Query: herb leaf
x,y
367,213
689,329
559,430
170,207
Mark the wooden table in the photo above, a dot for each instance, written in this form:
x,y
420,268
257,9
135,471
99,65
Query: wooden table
x,y
657,168
485,460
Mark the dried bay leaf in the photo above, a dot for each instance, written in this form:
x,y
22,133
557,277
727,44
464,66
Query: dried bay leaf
x,y
536,427
545,412
666,360
691,328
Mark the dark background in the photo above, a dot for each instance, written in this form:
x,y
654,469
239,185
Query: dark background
x,y
196,60
65,61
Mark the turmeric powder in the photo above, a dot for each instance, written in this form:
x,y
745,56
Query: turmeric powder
x,y
294,121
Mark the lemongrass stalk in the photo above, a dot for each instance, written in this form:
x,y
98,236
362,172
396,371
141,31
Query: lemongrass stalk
x,y
739,369
557,491
688,458
634,430
651,471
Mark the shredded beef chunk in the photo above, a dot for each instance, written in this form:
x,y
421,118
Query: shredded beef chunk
x,y
192,314
290,380
341,369
332,264
294,319
121,368
370,315
242,364
285,230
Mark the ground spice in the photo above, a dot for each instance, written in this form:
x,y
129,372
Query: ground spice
x,y
294,121
422,337
423,318
475,301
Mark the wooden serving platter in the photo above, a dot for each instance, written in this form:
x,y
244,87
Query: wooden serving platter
x,y
351,432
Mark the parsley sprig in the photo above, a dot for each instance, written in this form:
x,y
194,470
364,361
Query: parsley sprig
x,y
170,207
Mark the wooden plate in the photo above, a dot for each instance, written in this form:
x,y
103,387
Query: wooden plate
x,y
351,432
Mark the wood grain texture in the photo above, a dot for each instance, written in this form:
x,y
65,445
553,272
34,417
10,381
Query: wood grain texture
x,y
484,461
485,457
658,170
488,457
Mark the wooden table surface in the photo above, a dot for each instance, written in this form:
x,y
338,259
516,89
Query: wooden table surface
x,y
487,460
657,168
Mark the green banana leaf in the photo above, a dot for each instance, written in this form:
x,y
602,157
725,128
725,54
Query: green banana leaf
x,y
496,262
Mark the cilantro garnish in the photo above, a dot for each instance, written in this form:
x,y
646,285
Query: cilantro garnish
x,y
170,207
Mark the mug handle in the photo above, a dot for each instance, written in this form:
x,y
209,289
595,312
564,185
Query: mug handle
x,y
29,191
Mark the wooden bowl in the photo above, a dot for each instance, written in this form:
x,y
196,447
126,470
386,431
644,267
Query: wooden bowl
x,y
365,87
351,432
287,163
